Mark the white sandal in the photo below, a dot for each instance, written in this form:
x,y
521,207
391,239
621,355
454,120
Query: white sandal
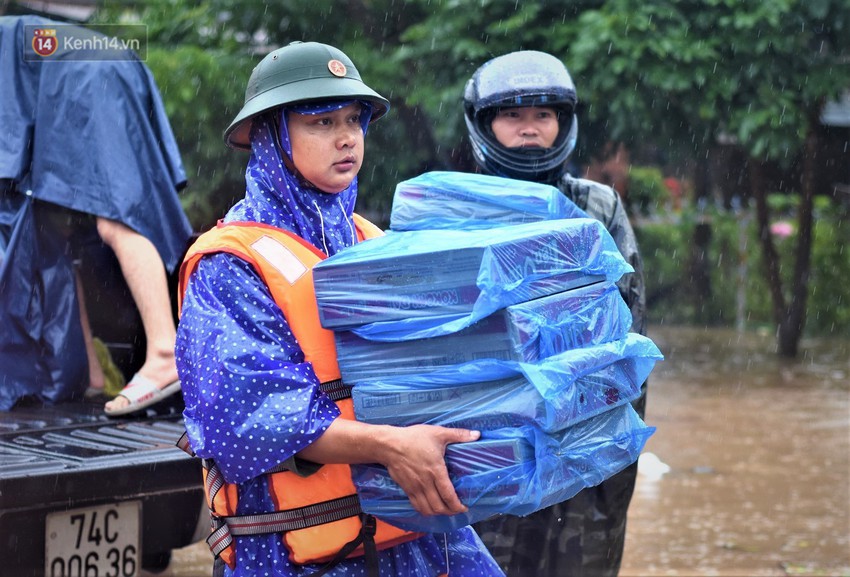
x,y
142,393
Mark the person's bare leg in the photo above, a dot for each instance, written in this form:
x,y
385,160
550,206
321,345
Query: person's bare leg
x,y
145,275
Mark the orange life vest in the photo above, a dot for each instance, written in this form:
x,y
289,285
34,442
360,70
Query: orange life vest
x,y
319,514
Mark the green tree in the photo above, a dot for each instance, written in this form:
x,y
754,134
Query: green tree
x,y
201,70
676,74
689,72
418,53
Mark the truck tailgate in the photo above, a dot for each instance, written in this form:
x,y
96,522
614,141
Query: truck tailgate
x,y
68,456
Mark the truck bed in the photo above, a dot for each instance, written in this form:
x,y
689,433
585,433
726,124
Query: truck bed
x,y
71,456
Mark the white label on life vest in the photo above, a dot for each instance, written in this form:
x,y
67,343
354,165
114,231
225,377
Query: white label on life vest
x,y
280,258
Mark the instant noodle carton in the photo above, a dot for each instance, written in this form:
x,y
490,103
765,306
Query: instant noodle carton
x,y
528,332
514,471
552,394
408,283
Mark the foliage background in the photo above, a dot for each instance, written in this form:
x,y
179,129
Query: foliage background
x,y
736,271
671,79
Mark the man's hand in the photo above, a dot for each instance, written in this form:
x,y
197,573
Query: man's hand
x,y
415,457
417,462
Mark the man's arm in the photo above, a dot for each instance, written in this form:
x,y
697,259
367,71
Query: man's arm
x,y
414,457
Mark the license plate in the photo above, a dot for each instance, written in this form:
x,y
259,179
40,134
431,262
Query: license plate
x,y
93,542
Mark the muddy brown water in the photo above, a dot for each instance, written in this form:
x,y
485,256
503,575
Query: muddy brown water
x,y
758,451
759,457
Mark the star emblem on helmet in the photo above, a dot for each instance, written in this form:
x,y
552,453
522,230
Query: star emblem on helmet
x,y
337,68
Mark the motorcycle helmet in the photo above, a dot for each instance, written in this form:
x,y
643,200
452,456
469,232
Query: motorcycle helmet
x,y
300,72
524,78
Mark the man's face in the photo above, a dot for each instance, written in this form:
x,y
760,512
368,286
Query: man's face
x,y
526,126
327,148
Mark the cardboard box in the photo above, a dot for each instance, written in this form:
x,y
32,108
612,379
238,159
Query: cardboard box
x,y
404,276
527,332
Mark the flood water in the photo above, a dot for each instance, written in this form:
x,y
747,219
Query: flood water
x,y
759,456
758,451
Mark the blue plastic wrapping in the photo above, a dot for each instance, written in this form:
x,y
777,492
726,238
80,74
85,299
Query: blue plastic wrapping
x,y
42,352
420,284
528,331
91,136
460,200
499,475
552,394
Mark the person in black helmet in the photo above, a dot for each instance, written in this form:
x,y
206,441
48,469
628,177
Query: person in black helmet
x,y
265,405
520,114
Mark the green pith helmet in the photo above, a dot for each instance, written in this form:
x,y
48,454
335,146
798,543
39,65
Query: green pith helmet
x,y
300,72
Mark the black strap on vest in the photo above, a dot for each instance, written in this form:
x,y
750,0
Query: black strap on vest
x,y
370,550
294,519
336,390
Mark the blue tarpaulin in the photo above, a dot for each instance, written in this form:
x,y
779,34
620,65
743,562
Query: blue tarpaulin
x,y
42,352
91,136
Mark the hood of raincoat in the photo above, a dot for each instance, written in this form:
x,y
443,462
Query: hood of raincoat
x,y
275,195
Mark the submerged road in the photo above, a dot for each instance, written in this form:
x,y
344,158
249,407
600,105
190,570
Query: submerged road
x,y
748,474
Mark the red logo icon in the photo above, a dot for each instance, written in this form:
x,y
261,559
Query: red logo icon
x,y
44,41
337,68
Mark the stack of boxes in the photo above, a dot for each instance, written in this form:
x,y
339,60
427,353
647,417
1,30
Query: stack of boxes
x,y
516,330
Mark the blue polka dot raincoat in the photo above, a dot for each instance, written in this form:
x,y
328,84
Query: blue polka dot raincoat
x,y
251,399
